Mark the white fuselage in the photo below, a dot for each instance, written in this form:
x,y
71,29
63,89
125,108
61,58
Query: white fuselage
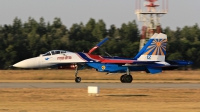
x,y
50,60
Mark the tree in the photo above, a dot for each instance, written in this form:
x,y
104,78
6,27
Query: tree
x,y
130,31
20,41
186,33
99,30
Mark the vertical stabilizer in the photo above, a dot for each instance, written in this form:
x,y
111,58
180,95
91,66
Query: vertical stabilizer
x,y
154,49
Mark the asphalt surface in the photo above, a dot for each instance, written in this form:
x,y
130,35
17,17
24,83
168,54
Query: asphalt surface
x,y
100,85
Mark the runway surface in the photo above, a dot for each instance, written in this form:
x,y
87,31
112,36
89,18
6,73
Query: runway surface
x,y
100,85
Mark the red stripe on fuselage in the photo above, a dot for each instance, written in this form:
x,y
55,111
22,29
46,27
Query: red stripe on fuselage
x,y
103,60
94,57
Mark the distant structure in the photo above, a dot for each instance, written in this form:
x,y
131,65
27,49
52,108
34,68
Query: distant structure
x,y
150,16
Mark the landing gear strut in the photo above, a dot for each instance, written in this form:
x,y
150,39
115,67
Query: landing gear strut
x,y
126,78
77,79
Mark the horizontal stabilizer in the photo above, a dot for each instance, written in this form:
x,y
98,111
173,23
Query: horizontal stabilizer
x,y
154,70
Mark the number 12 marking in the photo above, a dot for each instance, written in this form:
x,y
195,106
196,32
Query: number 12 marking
x,y
148,56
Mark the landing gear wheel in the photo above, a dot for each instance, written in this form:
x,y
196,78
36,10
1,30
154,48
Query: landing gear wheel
x,y
128,78
77,79
122,78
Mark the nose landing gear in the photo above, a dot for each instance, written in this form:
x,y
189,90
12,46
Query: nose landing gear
x,y
77,79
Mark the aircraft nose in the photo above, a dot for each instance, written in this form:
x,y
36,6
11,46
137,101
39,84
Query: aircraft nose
x,y
28,63
20,64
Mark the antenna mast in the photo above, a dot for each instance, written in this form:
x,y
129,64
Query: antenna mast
x,y
150,17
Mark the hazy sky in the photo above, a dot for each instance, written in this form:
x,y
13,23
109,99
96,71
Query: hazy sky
x,y
181,12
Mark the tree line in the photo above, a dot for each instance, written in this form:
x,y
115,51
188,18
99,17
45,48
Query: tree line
x,y
20,41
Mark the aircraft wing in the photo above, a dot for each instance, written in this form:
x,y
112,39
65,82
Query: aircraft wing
x,y
179,62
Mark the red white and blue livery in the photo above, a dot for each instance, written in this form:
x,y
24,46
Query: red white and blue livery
x,y
151,58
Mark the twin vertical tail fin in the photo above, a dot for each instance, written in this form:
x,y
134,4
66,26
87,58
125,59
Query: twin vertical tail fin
x,y
154,49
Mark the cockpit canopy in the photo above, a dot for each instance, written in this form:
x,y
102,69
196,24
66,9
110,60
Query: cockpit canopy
x,y
53,52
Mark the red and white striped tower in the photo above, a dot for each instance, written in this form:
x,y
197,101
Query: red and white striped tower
x,y
150,16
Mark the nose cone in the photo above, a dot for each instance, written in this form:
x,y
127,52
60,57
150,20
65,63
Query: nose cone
x,y
28,63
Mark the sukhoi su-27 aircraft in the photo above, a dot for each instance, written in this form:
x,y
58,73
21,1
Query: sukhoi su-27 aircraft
x,y
151,58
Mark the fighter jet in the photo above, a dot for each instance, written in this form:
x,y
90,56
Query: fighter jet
x,y
151,59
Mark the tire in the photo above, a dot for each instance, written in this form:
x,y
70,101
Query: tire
x,y
128,78
122,78
77,79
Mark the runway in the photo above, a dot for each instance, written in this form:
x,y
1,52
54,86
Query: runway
x,y
100,85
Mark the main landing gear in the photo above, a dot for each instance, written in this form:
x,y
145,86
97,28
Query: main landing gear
x,y
126,78
77,79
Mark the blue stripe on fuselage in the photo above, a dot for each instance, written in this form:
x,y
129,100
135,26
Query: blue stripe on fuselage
x,y
114,68
85,57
